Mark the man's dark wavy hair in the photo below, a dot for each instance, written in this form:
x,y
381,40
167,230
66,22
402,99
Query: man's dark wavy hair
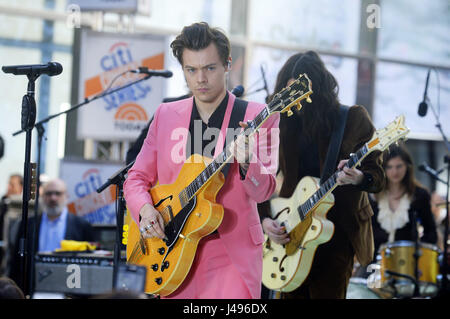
x,y
198,36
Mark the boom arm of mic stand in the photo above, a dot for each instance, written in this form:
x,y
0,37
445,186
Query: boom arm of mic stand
x,y
86,101
116,178
255,91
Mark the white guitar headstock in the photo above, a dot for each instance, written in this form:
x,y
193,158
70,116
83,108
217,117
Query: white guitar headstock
x,y
392,133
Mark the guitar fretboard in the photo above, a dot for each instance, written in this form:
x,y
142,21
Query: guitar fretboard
x,y
330,184
221,160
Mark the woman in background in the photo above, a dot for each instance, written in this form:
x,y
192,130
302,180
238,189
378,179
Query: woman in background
x,y
402,201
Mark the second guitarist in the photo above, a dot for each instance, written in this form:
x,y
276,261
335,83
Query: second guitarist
x,y
228,262
304,141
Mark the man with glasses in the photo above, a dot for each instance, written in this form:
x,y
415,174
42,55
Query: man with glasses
x,y
55,224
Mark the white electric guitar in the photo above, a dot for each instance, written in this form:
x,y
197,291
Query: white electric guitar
x,y
285,267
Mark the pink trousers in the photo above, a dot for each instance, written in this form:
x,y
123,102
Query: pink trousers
x,y
212,275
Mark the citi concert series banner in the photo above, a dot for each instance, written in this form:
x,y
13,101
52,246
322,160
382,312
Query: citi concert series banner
x,y
123,114
83,178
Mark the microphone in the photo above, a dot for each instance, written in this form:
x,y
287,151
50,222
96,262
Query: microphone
x,y
238,91
266,88
145,70
51,69
425,168
423,106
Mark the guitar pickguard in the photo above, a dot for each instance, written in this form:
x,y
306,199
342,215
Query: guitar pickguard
x,y
175,226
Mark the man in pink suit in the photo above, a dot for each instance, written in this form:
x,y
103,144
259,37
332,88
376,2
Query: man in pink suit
x,y
228,262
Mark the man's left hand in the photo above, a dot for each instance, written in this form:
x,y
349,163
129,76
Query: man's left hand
x,y
349,175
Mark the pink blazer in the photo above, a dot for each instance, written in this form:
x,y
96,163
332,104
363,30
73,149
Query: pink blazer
x,y
163,154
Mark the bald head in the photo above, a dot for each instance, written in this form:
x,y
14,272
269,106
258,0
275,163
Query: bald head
x,y
55,184
55,197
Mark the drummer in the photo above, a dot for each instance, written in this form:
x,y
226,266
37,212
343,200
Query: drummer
x,y
402,200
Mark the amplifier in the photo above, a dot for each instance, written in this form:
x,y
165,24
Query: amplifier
x,y
81,273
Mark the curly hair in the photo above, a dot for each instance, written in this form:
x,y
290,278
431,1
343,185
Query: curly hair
x,y
199,36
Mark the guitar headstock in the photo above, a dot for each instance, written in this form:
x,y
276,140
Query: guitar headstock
x,y
292,95
393,132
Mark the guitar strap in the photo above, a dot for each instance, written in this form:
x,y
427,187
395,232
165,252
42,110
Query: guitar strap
x,y
237,114
335,143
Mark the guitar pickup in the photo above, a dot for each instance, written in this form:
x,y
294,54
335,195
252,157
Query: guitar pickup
x,y
169,208
142,245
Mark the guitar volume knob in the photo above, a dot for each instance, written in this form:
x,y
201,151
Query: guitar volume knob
x,y
165,265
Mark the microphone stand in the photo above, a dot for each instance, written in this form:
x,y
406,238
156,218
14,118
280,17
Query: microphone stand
x,y
445,266
264,87
416,255
444,286
41,131
28,123
117,179
258,90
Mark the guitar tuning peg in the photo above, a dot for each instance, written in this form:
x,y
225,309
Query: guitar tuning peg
x,y
308,99
289,112
299,106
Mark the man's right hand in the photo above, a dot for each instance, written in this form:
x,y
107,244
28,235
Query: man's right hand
x,y
275,232
152,223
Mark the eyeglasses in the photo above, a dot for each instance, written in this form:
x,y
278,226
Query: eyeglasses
x,y
50,193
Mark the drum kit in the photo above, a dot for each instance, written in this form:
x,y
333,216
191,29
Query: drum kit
x,y
404,269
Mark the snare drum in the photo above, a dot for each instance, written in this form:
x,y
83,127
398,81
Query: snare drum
x,y
398,257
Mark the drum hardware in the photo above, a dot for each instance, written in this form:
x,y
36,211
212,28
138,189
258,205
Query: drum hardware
x,y
444,288
388,253
416,255
397,262
393,281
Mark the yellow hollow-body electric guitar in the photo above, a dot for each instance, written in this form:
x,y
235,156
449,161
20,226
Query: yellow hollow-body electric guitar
x,y
285,267
189,206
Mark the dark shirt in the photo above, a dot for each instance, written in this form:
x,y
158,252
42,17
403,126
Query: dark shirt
x,y
420,205
207,140
308,162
